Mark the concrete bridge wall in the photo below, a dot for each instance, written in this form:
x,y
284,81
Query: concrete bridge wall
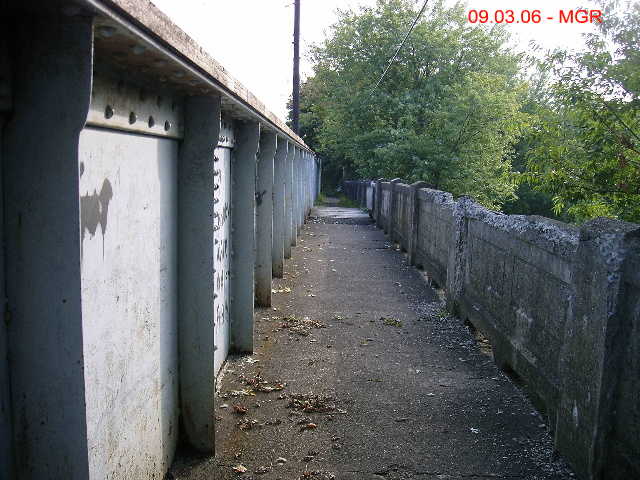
x,y
141,185
560,305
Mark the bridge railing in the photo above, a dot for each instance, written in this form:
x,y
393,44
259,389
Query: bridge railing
x,y
148,200
560,304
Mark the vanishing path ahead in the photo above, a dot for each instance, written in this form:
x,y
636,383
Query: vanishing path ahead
x,y
388,387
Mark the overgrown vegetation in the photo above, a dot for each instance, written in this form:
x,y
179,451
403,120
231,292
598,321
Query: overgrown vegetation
x,y
462,111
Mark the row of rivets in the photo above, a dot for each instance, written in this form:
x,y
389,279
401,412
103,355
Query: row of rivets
x,y
133,118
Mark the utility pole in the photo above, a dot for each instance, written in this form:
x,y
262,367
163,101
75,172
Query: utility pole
x,y
295,114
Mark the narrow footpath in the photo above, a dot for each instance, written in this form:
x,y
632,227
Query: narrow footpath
x,y
359,373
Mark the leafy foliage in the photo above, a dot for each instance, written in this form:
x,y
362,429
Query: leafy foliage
x,y
448,111
587,152
454,110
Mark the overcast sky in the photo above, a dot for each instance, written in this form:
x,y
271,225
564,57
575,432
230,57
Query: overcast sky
x,y
253,38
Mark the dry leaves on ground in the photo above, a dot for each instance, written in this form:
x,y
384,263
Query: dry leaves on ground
x,y
281,290
311,403
259,384
392,322
300,326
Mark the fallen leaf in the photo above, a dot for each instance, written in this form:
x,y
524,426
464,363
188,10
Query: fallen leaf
x,y
391,322
242,393
246,424
309,426
240,409
240,469
281,290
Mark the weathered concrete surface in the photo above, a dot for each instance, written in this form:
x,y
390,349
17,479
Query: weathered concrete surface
x,y
413,395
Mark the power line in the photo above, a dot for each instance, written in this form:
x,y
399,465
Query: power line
x,y
295,97
424,6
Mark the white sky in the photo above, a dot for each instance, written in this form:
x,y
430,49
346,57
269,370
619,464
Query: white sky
x,y
253,38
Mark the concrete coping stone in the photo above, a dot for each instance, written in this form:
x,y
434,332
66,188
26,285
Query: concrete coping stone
x,y
557,237
436,196
606,226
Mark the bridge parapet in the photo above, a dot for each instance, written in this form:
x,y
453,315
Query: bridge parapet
x,y
560,305
130,159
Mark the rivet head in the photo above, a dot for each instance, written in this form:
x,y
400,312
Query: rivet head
x,y
108,112
167,126
132,118
151,121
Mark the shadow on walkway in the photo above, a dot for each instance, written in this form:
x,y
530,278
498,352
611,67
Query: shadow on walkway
x,y
359,373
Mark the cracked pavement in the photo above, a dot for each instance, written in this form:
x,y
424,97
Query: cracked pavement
x,y
359,373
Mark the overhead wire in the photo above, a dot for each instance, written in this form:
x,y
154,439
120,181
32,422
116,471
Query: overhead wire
x,y
424,6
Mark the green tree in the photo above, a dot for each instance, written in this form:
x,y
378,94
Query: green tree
x,y
448,111
586,150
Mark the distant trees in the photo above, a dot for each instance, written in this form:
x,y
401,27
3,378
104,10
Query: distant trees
x,y
457,111
586,141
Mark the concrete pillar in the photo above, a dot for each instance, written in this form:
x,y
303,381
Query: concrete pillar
x,y
316,173
52,69
196,269
279,215
264,218
596,339
414,220
456,263
319,177
310,182
301,190
6,433
243,240
305,185
377,215
288,203
295,200
393,200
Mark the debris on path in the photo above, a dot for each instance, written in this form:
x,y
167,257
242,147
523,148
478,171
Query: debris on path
x,y
396,388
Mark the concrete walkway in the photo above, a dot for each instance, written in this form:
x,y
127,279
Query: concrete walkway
x,y
360,374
